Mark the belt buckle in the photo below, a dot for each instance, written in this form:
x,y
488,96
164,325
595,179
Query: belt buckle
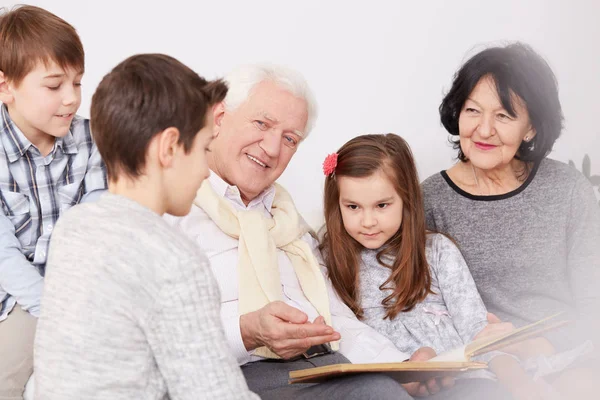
x,y
317,350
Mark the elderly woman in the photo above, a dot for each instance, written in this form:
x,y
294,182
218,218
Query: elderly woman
x,y
528,226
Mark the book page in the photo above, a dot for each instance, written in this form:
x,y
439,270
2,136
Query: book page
x,y
457,354
490,343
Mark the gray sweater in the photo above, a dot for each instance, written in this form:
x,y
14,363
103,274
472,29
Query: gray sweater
x,y
532,252
130,311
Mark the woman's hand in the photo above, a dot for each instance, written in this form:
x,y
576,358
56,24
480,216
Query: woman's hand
x,y
526,349
530,348
495,327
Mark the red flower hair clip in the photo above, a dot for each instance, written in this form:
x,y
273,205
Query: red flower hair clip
x,y
329,164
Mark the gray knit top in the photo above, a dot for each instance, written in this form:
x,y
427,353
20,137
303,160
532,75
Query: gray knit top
x,y
445,320
532,252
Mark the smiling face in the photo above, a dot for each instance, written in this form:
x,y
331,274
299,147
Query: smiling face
x,y
44,103
489,136
255,142
371,208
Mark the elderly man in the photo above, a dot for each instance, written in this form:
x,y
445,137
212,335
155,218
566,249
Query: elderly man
x,y
279,311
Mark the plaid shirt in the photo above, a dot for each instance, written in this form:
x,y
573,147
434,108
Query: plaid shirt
x,y
34,191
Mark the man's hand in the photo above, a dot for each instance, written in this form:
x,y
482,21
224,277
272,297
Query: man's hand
x,y
431,386
284,329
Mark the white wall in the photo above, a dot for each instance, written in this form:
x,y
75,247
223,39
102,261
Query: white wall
x,y
376,66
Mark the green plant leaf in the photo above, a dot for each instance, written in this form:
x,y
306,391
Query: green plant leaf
x,y
595,180
585,168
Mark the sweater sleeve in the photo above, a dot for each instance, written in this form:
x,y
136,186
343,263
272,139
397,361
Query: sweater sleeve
x,y
583,259
18,276
458,290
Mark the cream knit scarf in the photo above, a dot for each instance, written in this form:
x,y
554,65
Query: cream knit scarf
x,y
259,238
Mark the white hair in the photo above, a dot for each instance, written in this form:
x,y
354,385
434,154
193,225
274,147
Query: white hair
x,y
242,80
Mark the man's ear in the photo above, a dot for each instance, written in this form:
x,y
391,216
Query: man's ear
x,y
217,114
6,96
168,146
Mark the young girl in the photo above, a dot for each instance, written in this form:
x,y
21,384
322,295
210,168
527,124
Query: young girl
x,y
409,284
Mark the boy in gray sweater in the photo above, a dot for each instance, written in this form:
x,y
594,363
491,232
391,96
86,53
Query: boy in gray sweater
x,y
130,308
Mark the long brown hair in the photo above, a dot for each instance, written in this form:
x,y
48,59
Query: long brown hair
x,y
409,278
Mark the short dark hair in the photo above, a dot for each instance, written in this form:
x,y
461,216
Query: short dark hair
x,y
516,69
30,34
141,97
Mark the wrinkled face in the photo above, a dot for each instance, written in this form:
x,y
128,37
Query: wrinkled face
x,y
371,209
189,171
489,136
45,101
255,142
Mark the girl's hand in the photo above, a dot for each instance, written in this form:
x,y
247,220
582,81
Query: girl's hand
x,y
431,386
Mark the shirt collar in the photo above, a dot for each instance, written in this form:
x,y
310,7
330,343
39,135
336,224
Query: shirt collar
x,y
232,193
67,142
16,144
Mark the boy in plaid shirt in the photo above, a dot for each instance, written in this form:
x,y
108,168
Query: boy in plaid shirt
x,y
48,163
